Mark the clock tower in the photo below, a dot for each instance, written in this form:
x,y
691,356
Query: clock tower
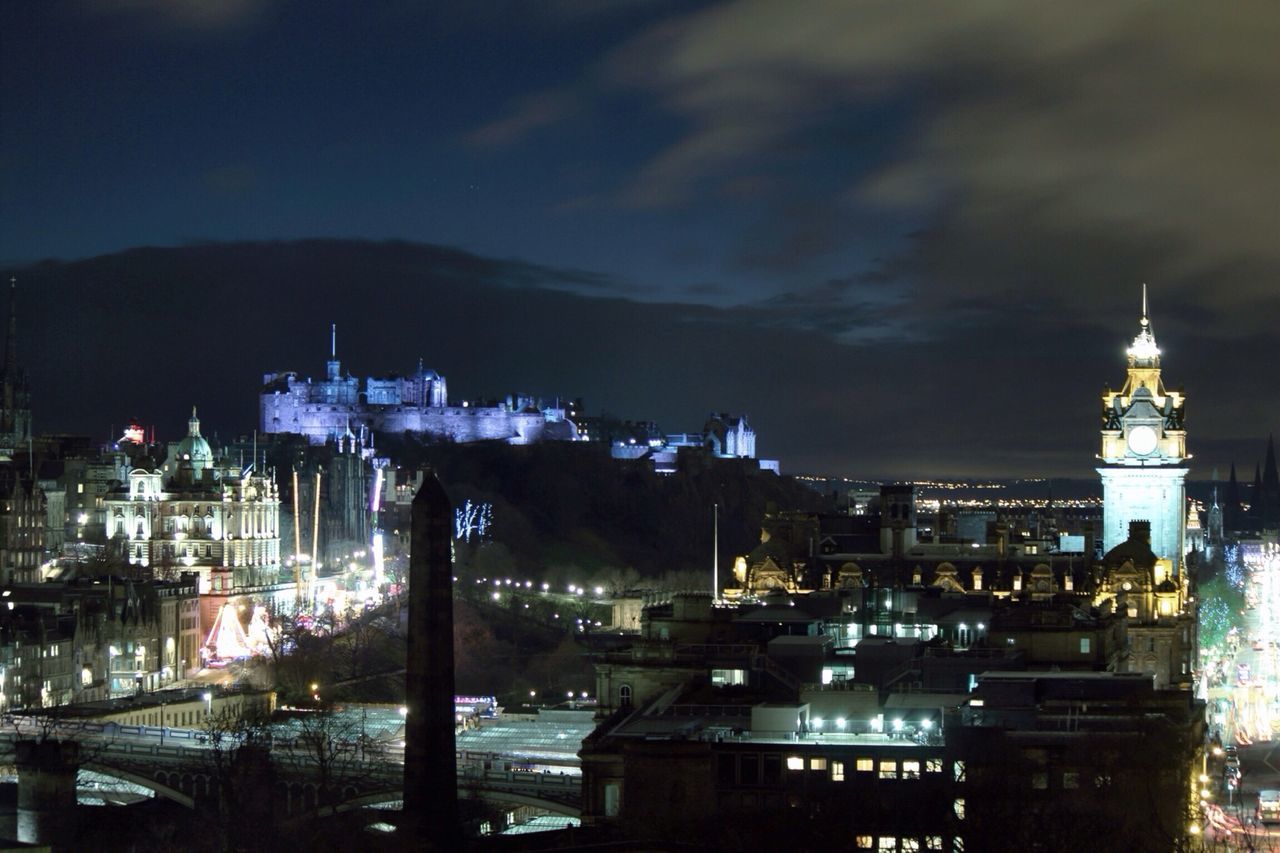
x,y
1144,454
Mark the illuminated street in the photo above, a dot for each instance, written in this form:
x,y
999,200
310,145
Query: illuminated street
x,y
1244,688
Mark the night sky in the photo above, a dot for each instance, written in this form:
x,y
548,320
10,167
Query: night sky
x,y
905,240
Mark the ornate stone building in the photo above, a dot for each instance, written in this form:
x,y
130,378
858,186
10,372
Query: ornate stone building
x,y
22,526
1144,454
197,515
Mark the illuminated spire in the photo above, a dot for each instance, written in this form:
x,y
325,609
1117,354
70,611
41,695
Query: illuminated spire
x,y
1144,351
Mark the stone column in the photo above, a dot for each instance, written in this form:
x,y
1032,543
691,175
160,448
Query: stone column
x,y
430,817
47,791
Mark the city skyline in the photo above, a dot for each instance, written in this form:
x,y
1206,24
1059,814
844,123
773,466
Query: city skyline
x,y
902,245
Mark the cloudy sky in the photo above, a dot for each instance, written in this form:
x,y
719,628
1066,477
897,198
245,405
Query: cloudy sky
x,y
905,239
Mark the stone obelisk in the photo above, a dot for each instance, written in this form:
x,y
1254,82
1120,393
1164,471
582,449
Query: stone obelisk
x,y
430,818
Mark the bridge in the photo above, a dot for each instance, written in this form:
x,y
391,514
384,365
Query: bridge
x,y
309,776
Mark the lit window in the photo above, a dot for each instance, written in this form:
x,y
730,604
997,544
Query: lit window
x,y
933,842
910,844
888,770
933,765
1070,780
959,808
888,842
1040,781
957,770
795,762
1084,645
837,771
864,842
911,770
865,765
817,764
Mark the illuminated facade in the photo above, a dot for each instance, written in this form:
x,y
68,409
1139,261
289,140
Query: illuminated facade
x,y
197,515
1144,454
331,408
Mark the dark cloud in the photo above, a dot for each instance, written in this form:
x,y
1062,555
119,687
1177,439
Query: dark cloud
x,y
532,113
1141,137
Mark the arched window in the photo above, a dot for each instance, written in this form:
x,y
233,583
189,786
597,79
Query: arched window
x,y
624,696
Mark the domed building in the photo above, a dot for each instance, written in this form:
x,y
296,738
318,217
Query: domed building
x,y
194,448
197,513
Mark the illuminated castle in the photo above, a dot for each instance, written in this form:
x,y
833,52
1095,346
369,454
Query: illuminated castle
x,y
335,407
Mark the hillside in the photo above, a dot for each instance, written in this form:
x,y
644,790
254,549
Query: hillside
x,y
569,508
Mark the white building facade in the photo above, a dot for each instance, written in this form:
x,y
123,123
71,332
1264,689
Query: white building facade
x,y
1144,454
195,515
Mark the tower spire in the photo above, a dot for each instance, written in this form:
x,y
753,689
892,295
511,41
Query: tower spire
x,y
333,330
1144,352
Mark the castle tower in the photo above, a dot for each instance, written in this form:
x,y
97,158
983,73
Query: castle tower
x,y
1144,454
333,367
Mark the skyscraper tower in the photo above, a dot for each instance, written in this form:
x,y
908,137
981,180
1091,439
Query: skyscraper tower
x,y
15,398
1144,453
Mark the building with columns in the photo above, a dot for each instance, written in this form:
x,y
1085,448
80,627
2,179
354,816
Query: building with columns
x,y
195,514
1144,454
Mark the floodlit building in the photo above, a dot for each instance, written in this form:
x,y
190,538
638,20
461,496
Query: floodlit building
x,y
1144,454
195,514
327,409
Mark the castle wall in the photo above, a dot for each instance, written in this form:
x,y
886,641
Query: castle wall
x,y
291,413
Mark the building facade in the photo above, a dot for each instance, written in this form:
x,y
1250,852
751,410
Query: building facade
x,y
196,515
1144,454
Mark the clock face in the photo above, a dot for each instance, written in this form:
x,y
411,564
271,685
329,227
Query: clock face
x,y
1142,440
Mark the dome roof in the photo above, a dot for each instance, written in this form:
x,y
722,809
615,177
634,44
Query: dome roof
x,y
194,447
